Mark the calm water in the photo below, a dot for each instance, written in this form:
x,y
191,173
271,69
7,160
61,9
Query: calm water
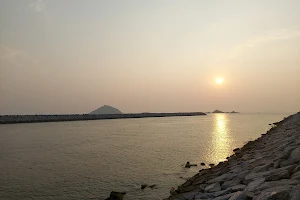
x,y
81,160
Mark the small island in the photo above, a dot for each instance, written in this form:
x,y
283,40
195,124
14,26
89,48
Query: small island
x,y
234,112
219,111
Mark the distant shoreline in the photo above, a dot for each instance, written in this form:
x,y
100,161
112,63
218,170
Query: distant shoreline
x,y
16,119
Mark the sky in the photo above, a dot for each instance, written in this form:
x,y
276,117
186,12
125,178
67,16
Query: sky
x,y
73,56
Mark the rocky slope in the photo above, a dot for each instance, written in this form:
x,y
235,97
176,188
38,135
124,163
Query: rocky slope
x,y
264,169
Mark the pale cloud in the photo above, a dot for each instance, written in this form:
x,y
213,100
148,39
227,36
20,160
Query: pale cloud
x,y
283,34
38,6
226,58
15,56
273,36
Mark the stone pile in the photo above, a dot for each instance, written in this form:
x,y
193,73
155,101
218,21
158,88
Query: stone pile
x,y
264,169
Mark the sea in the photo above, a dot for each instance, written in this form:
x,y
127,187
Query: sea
x,y
89,159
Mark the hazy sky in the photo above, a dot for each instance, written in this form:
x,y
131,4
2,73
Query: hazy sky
x,y
73,56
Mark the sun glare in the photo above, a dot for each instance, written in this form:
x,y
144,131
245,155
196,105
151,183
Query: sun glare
x,y
219,80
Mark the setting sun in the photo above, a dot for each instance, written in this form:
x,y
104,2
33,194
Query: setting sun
x,y
219,80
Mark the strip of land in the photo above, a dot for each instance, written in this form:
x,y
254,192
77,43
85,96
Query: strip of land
x,y
264,169
13,119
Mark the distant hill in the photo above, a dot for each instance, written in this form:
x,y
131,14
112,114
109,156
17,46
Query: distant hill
x,y
218,111
106,110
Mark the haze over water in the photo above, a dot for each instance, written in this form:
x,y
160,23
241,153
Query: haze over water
x,y
84,159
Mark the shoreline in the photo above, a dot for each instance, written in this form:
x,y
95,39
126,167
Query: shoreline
x,y
16,119
266,168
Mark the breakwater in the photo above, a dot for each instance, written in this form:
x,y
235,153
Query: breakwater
x,y
264,169
13,119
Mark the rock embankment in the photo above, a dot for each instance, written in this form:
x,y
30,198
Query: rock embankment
x,y
13,119
267,168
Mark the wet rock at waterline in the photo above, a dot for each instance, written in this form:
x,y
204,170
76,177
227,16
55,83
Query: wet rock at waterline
x,y
116,195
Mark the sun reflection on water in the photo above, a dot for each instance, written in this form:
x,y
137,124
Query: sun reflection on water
x,y
220,138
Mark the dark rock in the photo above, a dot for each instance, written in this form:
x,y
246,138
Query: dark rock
x,y
277,193
278,175
173,191
152,186
290,151
204,196
259,162
230,183
295,194
263,168
225,197
221,163
296,168
116,195
240,195
187,183
188,165
239,187
288,162
222,178
143,186
222,192
242,174
213,188
272,175
211,165
296,175
277,163
188,188
202,164
295,155
254,184
273,184
200,181
229,190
